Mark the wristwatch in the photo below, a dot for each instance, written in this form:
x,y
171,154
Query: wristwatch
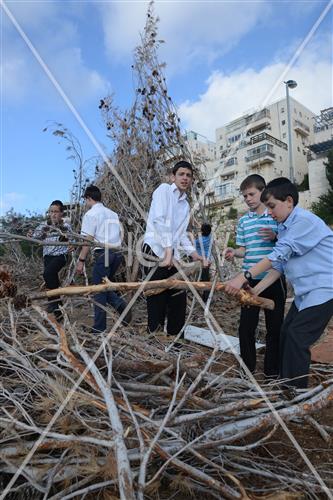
x,y
82,260
247,275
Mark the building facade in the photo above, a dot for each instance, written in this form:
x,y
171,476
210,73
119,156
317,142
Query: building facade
x,y
321,145
257,143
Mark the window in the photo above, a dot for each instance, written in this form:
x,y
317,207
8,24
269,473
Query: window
x,y
224,189
284,135
282,110
231,161
234,138
260,149
283,122
280,158
298,148
300,114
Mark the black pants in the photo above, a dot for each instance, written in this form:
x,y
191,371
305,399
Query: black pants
x,y
52,265
205,276
170,304
247,328
299,331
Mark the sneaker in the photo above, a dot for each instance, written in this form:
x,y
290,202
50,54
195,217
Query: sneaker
x,y
128,316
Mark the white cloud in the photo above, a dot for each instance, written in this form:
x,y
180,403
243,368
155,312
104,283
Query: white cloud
x,y
194,32
228,96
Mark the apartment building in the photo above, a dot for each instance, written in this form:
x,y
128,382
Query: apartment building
x,y
257,142
321,145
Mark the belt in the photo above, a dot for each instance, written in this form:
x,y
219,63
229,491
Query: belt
x,y
98,250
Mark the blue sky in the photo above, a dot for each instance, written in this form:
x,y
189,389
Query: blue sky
x,y
223,58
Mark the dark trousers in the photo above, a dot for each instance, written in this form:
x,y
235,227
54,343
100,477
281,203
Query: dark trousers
x,y
248,324
104,267
299,331
170,305
52,265
205,276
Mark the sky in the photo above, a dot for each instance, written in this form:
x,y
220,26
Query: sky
x,y
224,58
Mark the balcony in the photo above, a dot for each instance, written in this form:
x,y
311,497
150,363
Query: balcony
x,y
259,127
301,128
223,197
266,137
260,158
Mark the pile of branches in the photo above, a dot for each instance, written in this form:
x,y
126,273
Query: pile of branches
x,y
132,416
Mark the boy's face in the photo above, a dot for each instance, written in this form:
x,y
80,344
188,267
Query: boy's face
x,y
55,214
89,202
251,197
279,210
183,179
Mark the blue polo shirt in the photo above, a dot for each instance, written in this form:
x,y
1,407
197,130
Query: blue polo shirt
x,y
256,248
304,252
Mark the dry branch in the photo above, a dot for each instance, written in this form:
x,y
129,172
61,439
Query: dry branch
x,y
243,297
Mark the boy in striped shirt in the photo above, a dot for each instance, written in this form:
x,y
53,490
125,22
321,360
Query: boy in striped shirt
x,y
256,236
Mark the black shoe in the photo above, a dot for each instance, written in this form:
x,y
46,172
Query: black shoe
x,y
128,316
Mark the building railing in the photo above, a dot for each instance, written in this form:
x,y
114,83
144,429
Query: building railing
x,y
262,154
229,163
266,137
245,120
225,196
263,113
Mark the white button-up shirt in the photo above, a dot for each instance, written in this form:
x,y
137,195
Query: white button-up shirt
x,y
167,222
103,224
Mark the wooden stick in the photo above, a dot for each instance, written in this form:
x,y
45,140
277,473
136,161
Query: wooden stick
x,y
188,271
243,297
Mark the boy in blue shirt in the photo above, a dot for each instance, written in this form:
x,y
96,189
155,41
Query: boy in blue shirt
x,y
256,236
304,252
203,246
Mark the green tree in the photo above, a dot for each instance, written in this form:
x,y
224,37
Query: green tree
x,y
324,206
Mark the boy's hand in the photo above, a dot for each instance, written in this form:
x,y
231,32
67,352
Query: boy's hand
x,y
229,254
195,256
30,233
168,257
233,286
267,234
79,267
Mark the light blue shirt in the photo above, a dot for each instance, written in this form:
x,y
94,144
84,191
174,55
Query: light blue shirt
x,y
304,252
248,236
203,245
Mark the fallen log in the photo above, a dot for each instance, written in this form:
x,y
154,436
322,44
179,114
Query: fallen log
x,y
245,298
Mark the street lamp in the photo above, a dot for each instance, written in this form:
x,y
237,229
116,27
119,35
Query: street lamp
x,y
290,84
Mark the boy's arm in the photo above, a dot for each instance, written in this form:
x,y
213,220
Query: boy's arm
x,y
236,283
88,230
270,278
161,220
230,253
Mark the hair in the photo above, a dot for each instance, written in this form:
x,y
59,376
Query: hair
x,y
93,192
280,188
182,164
59,204
206,229
253,180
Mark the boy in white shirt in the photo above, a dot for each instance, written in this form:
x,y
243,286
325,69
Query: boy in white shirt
x,y
167,223
100,224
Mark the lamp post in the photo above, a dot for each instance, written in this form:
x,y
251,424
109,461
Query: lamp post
x,y
290,84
